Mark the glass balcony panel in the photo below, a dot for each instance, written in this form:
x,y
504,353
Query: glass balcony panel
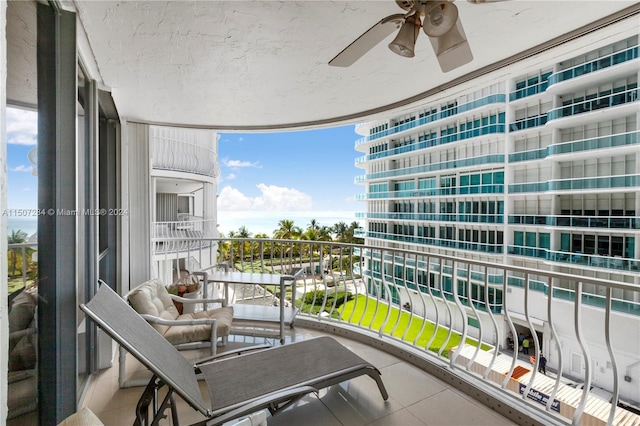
x,y
579,107
595,65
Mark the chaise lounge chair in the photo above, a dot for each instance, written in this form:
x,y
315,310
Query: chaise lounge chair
x,y
238,385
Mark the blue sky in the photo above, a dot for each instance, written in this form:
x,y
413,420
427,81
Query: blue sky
x,y
299,175
265,177
22,129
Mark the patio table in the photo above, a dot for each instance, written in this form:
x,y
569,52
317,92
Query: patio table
x,y
250,316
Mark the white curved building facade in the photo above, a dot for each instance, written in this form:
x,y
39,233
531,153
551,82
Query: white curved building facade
x,y
535,165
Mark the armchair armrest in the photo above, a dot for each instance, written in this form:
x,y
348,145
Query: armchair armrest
x,y
21,333
204,274
162,321
194,301
16,376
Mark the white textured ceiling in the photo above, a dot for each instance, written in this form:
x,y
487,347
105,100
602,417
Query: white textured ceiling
x,y
263,64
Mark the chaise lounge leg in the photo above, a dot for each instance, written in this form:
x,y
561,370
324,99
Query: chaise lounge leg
x,y
150,397
375,375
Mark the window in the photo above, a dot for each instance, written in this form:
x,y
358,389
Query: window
x,y
530,239
545,240
518,238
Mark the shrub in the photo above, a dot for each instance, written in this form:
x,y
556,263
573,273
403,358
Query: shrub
x,y
312,301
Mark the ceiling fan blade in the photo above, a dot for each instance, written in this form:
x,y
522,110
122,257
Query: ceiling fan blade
x,y
367,41
452,49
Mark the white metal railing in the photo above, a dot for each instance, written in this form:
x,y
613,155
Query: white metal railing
x,y
468,313
177,155
28,268
179,235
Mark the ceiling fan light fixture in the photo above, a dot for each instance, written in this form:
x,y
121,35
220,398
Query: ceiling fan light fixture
x,y
449,41
439,18
405,42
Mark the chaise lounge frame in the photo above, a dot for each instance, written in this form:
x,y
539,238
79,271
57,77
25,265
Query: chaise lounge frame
x,y
272,378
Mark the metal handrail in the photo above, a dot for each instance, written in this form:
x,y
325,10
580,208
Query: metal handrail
x,y
393,293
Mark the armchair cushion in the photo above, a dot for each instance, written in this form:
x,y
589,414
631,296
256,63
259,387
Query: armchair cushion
x,y
22,332
178,334
152,298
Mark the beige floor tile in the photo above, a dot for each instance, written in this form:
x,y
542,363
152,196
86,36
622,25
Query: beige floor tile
x,y
107,396
416,398
118,416
408,384
370,354
449,408
309,411
357,402
402,417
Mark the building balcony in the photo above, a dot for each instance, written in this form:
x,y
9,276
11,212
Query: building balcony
x,y
414,395
445,243
434,217
463,134
605,62
582,111
439,329
527,91
528,123
185,157
181,235
443,115
586,146
618,183
579,259
434,192
434,167
619,223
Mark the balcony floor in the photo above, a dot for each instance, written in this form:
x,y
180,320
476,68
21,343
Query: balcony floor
x,y
415,397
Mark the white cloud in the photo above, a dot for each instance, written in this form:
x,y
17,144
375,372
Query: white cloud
x,y
281,198
237,164
230,176
21,168
272,198
22,127
232,199
26,189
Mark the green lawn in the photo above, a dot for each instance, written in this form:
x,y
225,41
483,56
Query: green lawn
x,y
358,304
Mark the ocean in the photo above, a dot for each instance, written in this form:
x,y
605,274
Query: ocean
x,y
256,222
267,222
26,224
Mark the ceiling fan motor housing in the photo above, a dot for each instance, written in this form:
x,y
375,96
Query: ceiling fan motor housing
x,y
439,16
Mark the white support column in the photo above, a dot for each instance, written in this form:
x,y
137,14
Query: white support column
x,y
139,199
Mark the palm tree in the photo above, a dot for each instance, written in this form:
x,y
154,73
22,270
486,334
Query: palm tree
x,y
313,224
287,230
264,247
243,232
351,233
16,237
244,248
340,230
224,248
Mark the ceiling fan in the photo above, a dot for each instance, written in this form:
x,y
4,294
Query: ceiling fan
x,y
438,19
